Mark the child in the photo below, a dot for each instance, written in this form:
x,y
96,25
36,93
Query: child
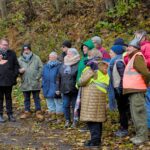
x,y
94,81
116,70
135,81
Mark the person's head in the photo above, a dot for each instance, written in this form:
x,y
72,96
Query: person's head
x,y
4,44
116,50
97,41
53,56
141,35
133,46
66,45
87,46
103,66
119,41
94,53
26,49
72,52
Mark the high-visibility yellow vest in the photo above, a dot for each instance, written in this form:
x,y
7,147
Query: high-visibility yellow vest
x,y
101,82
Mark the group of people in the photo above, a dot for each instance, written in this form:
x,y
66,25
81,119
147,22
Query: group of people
x,y
76,87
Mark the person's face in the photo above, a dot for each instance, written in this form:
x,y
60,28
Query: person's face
x,y
130,49
69,54
26,51
103,67
85,49
52,57
64,49
112,54
4,45
95,44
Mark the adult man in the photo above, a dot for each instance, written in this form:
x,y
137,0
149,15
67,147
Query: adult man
x,y
65,46
30,70
8,75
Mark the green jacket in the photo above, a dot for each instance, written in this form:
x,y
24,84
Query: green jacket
x,y
30,79
81,64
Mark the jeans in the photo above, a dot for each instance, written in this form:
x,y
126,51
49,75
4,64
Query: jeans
x,y
148,106
36,98
123,108
6,91
95,131
69,100
55,105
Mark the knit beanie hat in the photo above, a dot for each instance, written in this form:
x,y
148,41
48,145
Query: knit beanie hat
x,y
26,46
67,44
119,41
117,49
97,39
135,43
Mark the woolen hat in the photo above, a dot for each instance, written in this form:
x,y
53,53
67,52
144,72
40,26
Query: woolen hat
x,y
67,44
117,49
26,46
119,41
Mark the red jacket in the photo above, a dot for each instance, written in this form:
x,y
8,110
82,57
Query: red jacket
x,y
145,49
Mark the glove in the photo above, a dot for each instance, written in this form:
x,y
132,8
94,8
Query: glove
x,y
93,66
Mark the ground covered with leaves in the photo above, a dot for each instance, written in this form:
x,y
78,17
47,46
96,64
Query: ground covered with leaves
x,y
31,134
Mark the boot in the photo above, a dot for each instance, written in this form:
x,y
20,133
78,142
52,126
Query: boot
x,y
59,118
11,118
52,116
2,119
39,115
25,115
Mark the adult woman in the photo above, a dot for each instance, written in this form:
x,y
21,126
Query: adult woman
x,y
50,87
67,76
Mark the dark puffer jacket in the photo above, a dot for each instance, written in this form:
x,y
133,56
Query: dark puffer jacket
x,y
67,82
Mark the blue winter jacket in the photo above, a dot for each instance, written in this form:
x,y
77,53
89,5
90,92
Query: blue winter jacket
x,y
49,79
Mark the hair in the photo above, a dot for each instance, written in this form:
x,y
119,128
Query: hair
x,y
96,53
4,39
74,51
142,34
53,53
97,39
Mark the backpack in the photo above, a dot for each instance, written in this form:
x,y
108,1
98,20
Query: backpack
x,y
116,75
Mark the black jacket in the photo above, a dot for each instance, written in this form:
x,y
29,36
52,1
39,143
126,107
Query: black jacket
x,y
10,70
67,82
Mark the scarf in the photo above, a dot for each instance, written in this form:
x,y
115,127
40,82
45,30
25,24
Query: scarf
x,y
27,57
52,64
71,61
3,53
111,92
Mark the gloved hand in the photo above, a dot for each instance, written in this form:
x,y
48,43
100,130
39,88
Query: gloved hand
x,y
93,66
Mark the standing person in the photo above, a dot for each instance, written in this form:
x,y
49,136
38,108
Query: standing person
x,y
67,82
50,87
98,44
94,81
116,71
8,73
135,80
65,46
30,70
86,46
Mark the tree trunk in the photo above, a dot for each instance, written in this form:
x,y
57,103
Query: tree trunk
x,y
3,8
109,4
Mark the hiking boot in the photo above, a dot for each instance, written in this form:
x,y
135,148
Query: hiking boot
x,y
25,115
74,125
52,116
67,124
2,119
11,118
39,115
121,133
90,144
59,118
138,141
